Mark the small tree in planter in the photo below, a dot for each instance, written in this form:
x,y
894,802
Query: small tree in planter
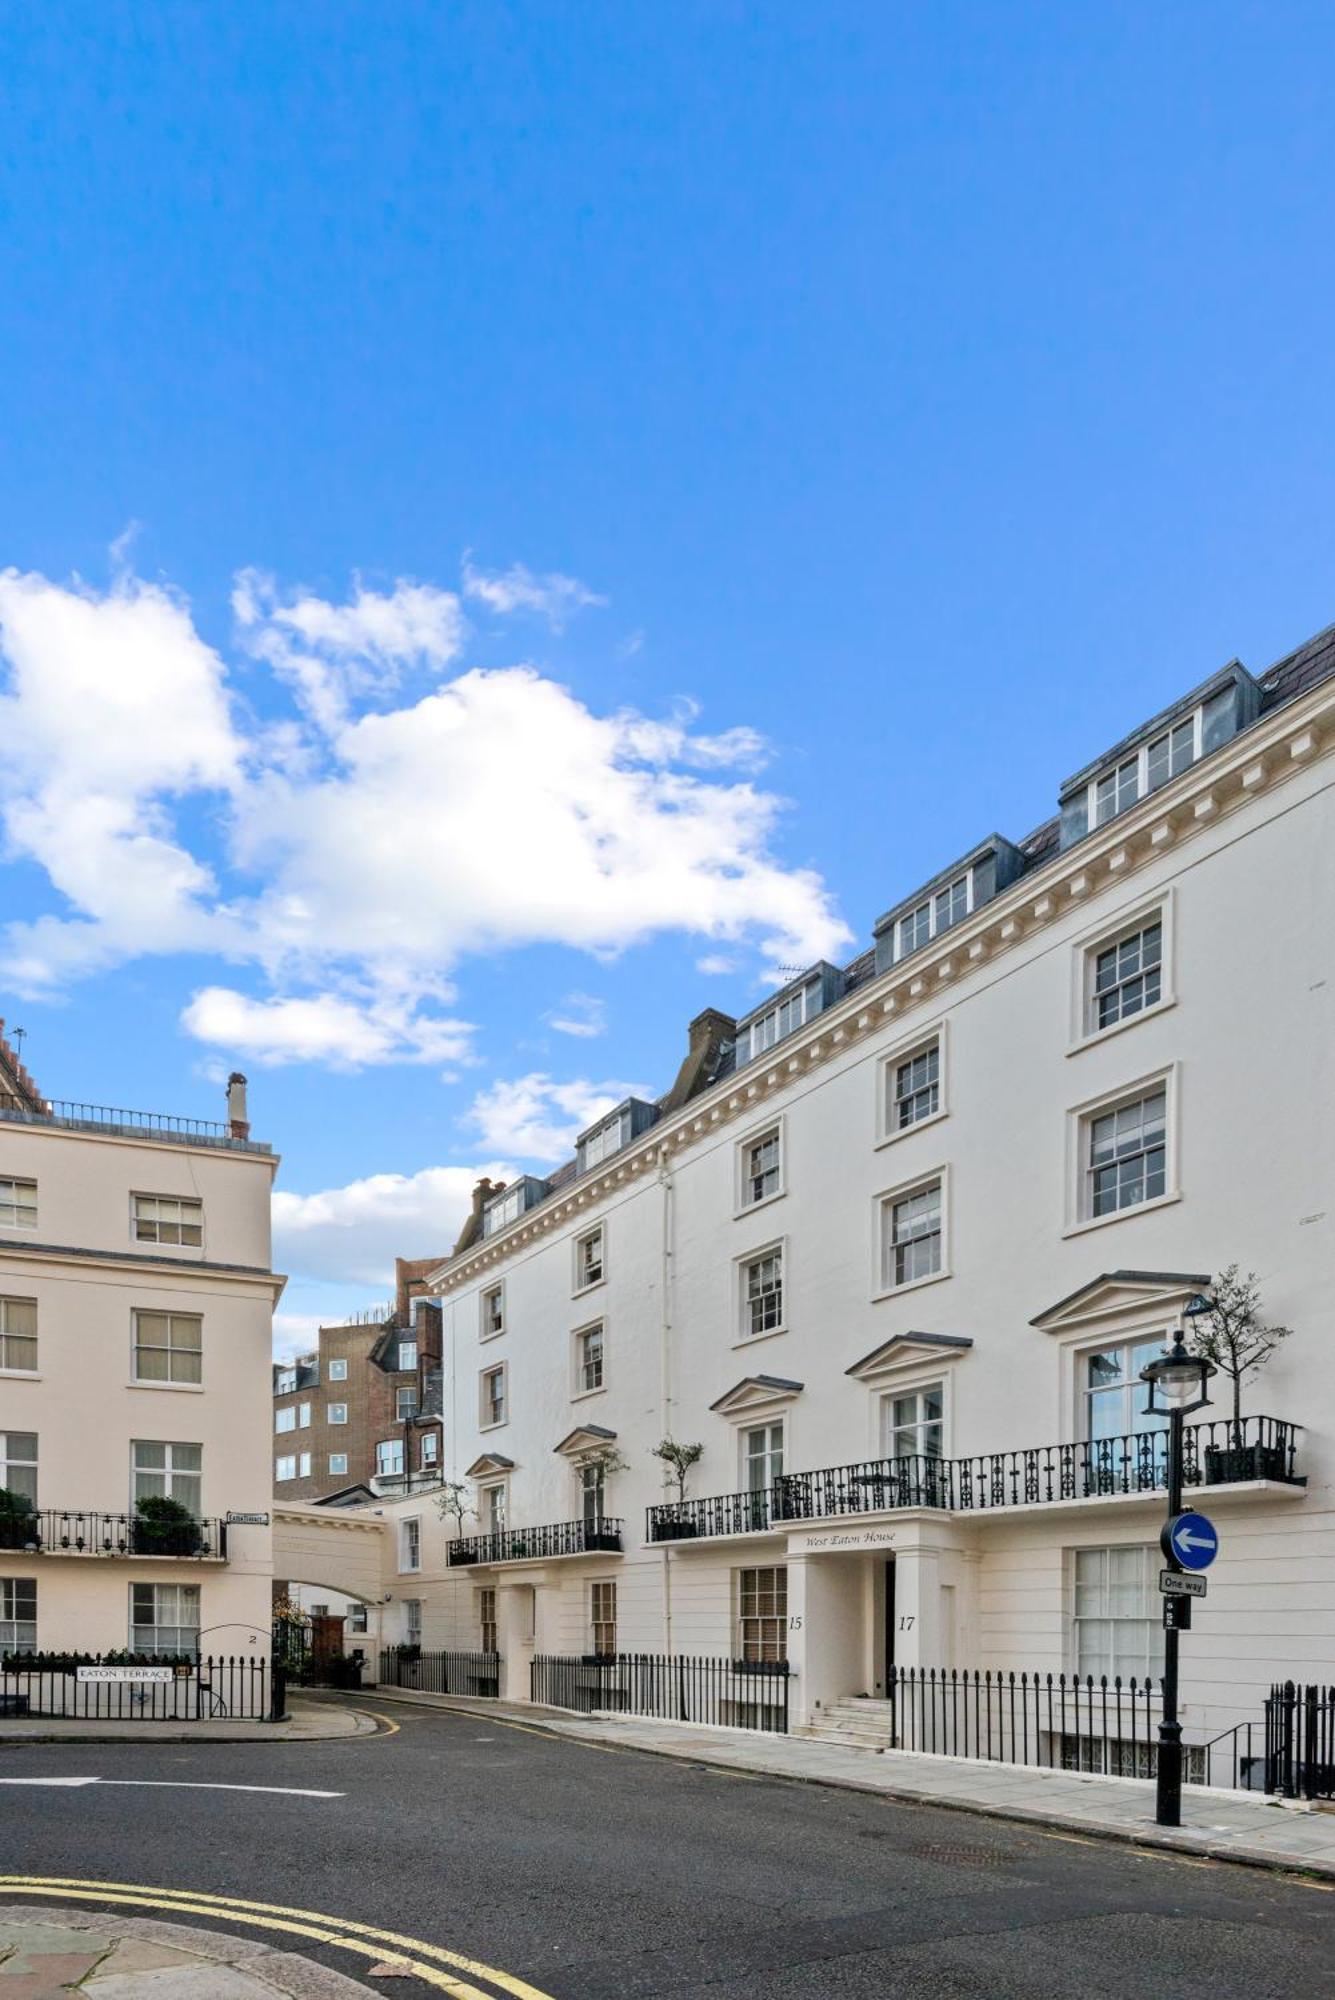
x,y
163,1527
679,1461
1234,1337
18,1520
607,1459
452,1505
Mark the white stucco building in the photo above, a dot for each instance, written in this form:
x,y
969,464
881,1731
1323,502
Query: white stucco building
x,y
136,1311
895,1247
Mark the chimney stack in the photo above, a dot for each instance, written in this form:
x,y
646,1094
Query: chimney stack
x,y
238,1120
472,1230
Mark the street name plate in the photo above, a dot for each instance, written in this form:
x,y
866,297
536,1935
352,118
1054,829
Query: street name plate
x,y
247,1520
126,1673
1174,1585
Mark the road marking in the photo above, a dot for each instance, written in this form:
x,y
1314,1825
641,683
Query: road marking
x,y
179,1785
319,1925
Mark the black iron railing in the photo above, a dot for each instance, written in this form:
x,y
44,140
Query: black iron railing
x,y
1300,1741
1216,1453
558,1538
736,1694
439,1672
80,1117
1069,1722
130,1687
51,1531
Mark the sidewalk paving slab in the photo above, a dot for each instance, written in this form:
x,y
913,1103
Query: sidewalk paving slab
x,y
47,1951
1221,1825
308,1722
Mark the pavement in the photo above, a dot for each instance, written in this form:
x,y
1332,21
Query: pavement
x,y
308,1721
1222,1825
45,1953
485,1854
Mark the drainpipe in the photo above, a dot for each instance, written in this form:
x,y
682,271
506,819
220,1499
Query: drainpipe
x,y
665,1182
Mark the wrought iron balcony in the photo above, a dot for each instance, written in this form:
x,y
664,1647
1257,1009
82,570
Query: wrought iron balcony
x,y
559,1538
123,1124
51,1532
1217,1453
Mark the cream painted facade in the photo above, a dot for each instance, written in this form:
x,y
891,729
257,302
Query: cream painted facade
x,y
92,1410
1009,1566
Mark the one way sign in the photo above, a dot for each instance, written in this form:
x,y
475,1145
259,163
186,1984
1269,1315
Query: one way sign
x,y
1190,1541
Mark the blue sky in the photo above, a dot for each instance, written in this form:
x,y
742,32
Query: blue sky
x,y
521,518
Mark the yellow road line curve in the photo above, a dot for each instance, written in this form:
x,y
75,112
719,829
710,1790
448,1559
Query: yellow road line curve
x,y
315,1924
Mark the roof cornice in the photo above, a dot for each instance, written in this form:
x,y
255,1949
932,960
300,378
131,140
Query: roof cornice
x,y
1254,763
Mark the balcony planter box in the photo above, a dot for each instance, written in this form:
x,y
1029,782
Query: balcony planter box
x,y
1225,1465
19,1531
596,1539
675,1531
166,1538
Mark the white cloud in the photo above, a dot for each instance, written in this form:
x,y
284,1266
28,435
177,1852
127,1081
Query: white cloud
x,y
324,1028
579,1014
715,964
296,1333
535,1118
553,597
353,854
352,1234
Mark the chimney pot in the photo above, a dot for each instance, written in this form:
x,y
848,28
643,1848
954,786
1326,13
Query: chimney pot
x,y
238,1119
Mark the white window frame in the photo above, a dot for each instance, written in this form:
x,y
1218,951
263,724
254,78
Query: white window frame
x,y
1141,758
338,1368
917,1385
887,1071
742,1204
412,1620
496,1291
1079,1120
741,1317
484,1607
607,1138
391,1445
336,1413
8,1333
284,1467
402,1415
18,1631
486,1488
883,1206
805,1001
18,1195
747,1428
429,1453
169,1472
304,1463
303,1416
190,1215
768,1646
1152,1653
402,1367
602,1614
187,1596
1132,1389
286,1382
485,1421
1160,909
935,929
579,1390
410,1545
10,1462
138,1346
338,1465
579,1284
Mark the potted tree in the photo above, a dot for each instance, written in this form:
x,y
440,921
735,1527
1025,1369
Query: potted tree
x,y
163,1527
1233,1335
679,1459
19,1527
605,1459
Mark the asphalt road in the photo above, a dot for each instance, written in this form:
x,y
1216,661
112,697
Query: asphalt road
x,y
590,1873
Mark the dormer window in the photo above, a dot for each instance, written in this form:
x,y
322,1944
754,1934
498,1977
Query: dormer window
x,y
1133,778
791,1010
936,914
516,1200
610,1134
946,901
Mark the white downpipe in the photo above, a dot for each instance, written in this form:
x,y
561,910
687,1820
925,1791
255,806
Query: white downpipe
x,y
665,1182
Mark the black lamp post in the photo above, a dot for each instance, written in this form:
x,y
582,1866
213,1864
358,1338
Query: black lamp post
x,y
1177,1387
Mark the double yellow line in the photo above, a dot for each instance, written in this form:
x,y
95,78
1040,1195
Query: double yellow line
x,y
405,1954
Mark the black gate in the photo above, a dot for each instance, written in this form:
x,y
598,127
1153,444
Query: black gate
x,y
1300,1741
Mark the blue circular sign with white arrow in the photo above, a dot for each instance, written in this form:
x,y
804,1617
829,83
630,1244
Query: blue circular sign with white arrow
x,y
1190,1540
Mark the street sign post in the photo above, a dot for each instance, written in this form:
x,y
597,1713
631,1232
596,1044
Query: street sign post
x,y
1173,1584
1189,1541
1177,1614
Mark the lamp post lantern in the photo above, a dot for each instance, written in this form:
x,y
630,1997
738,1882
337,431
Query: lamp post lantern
x,y
1176,1382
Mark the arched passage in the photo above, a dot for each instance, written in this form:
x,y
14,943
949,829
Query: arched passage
x,y
331,1548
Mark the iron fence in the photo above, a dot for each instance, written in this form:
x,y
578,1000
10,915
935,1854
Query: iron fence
x,y
59,1531
557,1538
127,1687
440,1672
129,1124
1216,1453
1300,1741
1068,1722
736,1694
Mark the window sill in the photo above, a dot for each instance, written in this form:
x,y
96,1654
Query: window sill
x,y
754,1339
919,1125
582,1291
499,1425
750,1207
1122,1214
583,1395
19,1375
912,1285
483,1338
1099,1035
176,1388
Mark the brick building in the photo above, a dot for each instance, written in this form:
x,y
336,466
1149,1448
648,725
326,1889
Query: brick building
x,y
361,1414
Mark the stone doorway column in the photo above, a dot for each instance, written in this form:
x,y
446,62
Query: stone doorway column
x,y
516,1614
